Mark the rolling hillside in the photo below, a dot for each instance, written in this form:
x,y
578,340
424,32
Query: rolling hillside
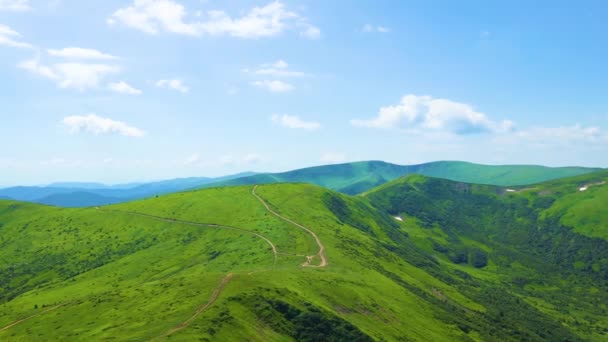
x,y
358,177
416,259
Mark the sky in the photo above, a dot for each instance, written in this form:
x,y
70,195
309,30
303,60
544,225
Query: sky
x,y
138,90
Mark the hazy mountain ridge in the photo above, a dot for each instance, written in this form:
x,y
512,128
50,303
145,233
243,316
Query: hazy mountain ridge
x,y
349,178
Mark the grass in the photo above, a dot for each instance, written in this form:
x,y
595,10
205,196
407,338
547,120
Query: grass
x,y
126,277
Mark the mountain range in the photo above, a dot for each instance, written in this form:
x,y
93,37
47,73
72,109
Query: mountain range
x,y
349,178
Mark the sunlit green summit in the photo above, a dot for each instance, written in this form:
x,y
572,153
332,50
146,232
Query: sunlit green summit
x,y
415,259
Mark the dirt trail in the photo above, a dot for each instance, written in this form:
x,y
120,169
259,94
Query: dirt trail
x,y
198,224
320,254
216,293
32,316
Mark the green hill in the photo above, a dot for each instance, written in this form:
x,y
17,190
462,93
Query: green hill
x,y
299,262
358,177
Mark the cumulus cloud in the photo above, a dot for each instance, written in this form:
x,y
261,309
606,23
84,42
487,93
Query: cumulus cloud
x,y
97,125
416,113
155,16
274,86
369,28
173,84
10,37
15,5
80,53
124,88
292,121
279,68
79,76
332,158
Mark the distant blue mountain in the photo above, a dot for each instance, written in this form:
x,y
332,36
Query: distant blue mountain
x,y
83,185
92,194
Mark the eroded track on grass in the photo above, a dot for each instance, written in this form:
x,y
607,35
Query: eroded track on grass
x,y
199,224
214,296
320,254
32,316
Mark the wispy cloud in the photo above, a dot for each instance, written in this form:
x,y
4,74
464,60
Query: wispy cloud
x,y
155,16
79,76
124,88
15,5
173,84
556,135
97,125
279,68
12,38
80,53
274,86
294,122
369,28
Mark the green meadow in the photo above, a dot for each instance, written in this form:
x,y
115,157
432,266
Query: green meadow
x,y
462,262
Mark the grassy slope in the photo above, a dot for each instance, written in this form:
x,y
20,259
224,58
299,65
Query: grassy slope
x,y
118,273
548,241
172,268
358,177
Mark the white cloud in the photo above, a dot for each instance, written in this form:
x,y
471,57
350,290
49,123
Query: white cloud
x,y
417,113
369,28
292,121
124,88
279,68
150,16
173,84
10,37
14,5
274,86
154,16
80,53
97,125
333,158
79,76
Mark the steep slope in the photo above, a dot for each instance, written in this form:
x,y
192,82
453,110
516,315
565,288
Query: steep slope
x,y
538,238
286,262
358,177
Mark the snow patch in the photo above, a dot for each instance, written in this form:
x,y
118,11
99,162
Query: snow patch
x,y
398,218
510,190
583,188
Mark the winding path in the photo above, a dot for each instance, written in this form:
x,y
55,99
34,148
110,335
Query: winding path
x,y
198,224
320,254
218,290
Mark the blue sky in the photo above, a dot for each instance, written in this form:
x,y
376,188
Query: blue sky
x,y
120,91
